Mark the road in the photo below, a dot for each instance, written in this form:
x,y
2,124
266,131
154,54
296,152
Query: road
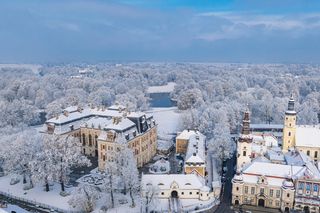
x,y
225,205
24,205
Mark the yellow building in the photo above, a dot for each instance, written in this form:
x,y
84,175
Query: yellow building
x,y
305,138
191,143
102,131
265,185
289,129
307,195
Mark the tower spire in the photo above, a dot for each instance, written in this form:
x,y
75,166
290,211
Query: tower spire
x,y
245,131
291,110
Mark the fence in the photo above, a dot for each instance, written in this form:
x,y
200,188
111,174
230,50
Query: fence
x,y
37,204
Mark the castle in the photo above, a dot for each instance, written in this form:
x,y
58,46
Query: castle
x,y
101,131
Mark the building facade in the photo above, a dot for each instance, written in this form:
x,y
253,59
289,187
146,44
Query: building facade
x,y
101,132
191,143
283,178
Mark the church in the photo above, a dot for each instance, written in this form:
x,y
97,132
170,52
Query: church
x,y
272,176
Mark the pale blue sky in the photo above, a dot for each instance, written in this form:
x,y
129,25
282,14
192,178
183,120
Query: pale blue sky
x,y
160,30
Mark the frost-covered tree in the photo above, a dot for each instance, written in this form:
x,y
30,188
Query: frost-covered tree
x,y
149,196
21,152
221,145
63,153
84,198
111,178
128,172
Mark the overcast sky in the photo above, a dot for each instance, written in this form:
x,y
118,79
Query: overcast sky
x,y
255,31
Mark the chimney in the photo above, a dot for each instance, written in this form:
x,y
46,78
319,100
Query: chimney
x,y
65,113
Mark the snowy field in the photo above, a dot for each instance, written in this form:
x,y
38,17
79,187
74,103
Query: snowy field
x,y
168,119
51,198
162,89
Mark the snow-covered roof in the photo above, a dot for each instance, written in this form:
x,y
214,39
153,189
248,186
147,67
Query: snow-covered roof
x,y
275,155
162,89
122,125
272,169
116,107
71,109
266,126
164,181
196,146
95,118
265,139
308,136
261,159
85,113
185,134
97,122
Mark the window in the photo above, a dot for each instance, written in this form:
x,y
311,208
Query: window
x,y
261,190
270,202
83,139
288,195
315,187
162,193
190,193
308,153
246,189
277,203
315,154
289,134
182,193
271,193
90,140
197,193
237,188
96,140
244,153
278,194
252,190
308,186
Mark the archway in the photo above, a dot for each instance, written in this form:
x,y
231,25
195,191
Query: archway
x,y
286,209
236,202
174,194
306,209
261,202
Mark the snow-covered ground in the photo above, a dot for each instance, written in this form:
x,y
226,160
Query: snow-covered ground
x,y
168,119
11,208
38,194
162,89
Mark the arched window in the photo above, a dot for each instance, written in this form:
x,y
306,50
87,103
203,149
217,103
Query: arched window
x,y
308,153
96,140
90,140
316,154
83,139
244,153
289,134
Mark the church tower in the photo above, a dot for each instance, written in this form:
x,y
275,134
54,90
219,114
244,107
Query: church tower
x,y
289,129
244,143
